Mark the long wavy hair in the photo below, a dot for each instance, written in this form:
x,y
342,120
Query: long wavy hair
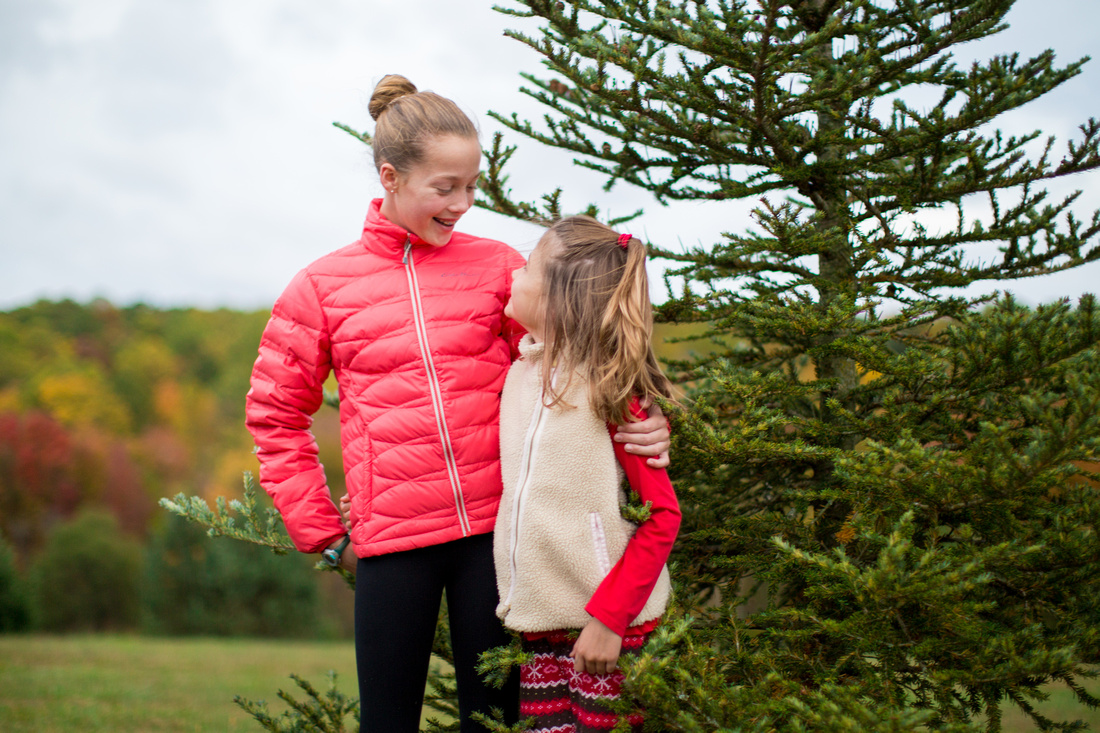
x,y
598,319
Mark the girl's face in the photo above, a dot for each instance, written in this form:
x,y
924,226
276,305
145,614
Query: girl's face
x,y
526,304
429,199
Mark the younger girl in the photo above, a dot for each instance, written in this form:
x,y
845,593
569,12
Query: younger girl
x,y
566,560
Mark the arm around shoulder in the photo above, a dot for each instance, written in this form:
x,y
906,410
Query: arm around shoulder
x,y
648,437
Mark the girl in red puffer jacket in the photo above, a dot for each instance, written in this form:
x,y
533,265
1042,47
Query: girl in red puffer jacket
x,y
410,319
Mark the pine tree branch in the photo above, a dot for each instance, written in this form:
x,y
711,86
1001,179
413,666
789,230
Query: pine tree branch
x,y
260,528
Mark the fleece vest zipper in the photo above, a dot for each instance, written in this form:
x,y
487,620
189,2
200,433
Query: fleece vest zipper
x,y
434,388
527,460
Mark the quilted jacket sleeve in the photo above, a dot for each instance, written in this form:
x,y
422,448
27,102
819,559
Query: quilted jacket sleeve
x,y
287,388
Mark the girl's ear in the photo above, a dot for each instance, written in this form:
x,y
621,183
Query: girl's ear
x,y
389,177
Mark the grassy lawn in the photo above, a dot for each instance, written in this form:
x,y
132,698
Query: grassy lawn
x,y
1061,706
93,684
131,683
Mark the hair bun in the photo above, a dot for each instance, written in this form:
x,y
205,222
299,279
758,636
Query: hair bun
x,y
390,88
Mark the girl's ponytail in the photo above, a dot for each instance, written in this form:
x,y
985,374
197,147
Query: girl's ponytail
x,y
599,318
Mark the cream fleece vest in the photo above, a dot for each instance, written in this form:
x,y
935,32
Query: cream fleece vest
x,y
559,530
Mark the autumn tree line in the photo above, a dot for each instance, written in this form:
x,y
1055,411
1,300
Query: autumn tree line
x,y
104,410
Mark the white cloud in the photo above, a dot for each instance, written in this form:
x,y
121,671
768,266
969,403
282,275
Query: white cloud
x,y
182,153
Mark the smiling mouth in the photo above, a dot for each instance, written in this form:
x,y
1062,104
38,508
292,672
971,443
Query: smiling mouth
x,y
445,223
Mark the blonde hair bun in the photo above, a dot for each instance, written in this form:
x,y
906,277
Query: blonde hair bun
x,y
390,88
412,117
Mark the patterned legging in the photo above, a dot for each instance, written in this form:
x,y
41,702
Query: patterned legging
x,y
562,700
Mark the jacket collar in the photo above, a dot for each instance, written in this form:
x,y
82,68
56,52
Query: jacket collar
x,y
529,349
382,236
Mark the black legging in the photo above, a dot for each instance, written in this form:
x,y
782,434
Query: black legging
x,y
396,608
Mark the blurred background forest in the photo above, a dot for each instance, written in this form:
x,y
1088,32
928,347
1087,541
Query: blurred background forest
x,y
105,410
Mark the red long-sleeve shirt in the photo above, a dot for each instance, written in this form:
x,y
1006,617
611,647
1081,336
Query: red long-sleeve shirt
x,y
621,595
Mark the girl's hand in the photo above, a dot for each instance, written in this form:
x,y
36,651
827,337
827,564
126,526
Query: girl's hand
x,y
348,559
345,511
650,437
597,649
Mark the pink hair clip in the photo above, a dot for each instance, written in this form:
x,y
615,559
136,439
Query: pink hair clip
x,y
624,239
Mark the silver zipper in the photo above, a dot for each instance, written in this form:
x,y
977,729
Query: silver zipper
x,y
434,389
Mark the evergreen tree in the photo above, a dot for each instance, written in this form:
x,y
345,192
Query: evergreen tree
x,y
889,509
894,475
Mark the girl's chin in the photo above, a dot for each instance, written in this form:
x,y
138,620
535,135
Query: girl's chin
x,y
439,234
438,240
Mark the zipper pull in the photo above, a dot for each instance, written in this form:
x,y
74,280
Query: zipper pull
x,y
408,246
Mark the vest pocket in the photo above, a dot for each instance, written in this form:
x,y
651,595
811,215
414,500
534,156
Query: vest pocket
x,y
599,544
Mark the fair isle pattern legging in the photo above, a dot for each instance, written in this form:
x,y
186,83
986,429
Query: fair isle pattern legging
x,y
562,700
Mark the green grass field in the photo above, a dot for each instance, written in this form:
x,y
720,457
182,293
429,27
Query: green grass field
x,y
96,684
90,684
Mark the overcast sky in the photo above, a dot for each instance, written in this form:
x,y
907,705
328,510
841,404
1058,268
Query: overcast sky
x,y
182,153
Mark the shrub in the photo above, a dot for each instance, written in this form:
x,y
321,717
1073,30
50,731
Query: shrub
x,y
86,578
14,611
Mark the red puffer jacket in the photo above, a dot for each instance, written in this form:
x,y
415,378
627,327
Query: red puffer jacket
x,y
420,346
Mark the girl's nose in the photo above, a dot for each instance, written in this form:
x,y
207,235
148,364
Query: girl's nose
x,y
461,204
